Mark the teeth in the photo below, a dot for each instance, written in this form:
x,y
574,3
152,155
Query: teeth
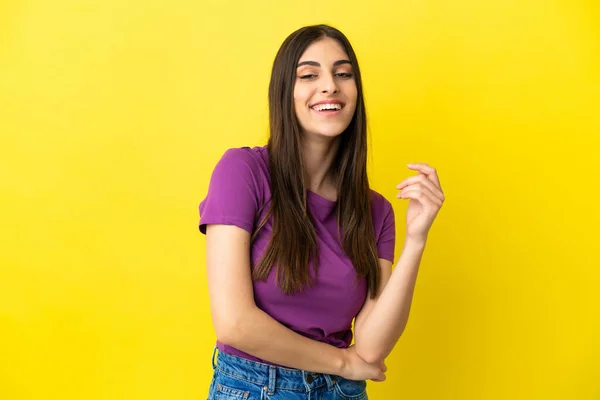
x,y
321,107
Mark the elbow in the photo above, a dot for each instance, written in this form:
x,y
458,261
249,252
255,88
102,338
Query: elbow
x,y
229,329
374,350
369,352
225,335
371,355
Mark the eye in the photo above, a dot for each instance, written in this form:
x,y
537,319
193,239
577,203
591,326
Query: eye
x,y
307,76
344,74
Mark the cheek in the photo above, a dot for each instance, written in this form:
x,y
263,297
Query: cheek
x,y
352,92
301,95
298,106
301,101
353,101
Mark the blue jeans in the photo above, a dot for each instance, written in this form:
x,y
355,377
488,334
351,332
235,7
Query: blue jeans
x,y
236,378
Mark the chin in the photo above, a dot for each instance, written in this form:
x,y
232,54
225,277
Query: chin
x,y
331,131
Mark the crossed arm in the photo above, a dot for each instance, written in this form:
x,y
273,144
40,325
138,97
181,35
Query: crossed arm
x,y
239,323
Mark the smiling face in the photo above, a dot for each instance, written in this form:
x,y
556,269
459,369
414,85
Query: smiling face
x,y
325,91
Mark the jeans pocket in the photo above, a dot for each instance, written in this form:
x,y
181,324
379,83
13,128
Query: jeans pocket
x,y
223,392
354,390
227,387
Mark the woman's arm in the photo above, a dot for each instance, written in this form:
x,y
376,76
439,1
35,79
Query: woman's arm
x,y
382,320
240,324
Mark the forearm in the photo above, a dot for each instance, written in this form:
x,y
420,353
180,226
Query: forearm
x,y
382,328
258,334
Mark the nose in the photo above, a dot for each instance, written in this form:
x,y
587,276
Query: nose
x,y
329,85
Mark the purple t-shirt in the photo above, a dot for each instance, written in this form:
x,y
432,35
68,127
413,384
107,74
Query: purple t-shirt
x,y
239,187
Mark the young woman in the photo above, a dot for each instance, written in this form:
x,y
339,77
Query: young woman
x,y
298,246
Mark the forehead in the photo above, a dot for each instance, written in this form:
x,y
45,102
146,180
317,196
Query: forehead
x,y
324,51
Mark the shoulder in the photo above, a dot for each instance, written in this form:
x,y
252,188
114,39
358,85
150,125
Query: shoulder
x,y
248,160
237,189
243,155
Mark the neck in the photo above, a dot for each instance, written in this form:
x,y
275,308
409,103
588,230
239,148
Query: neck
x,y
318,159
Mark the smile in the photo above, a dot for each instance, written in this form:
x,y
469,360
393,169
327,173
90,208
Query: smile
x,y
327,107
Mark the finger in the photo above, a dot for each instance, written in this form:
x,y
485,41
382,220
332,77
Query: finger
x,y
424,199
383,367
429,171
379,378
422,194
423,180
429,207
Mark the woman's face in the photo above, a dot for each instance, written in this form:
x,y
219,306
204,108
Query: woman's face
x,y
325,91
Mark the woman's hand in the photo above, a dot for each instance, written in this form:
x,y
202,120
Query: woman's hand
x,y
357,369
426,199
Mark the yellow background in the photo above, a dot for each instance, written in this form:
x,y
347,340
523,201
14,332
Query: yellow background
x,y
113,114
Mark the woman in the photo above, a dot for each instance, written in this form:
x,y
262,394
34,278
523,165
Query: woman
x,y
298,246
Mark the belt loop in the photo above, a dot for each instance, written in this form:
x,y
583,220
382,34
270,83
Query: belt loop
x,y
329,381
272,379
213,357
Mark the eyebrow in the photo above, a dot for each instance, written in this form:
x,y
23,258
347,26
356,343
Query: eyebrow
x,y
316,64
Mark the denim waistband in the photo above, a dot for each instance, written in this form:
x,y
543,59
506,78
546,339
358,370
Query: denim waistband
x,y
270,376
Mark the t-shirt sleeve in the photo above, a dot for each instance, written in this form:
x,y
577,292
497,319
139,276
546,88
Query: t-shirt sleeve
x,y
387,238
232,197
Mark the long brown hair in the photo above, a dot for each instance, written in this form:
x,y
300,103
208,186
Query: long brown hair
x,y
294,241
